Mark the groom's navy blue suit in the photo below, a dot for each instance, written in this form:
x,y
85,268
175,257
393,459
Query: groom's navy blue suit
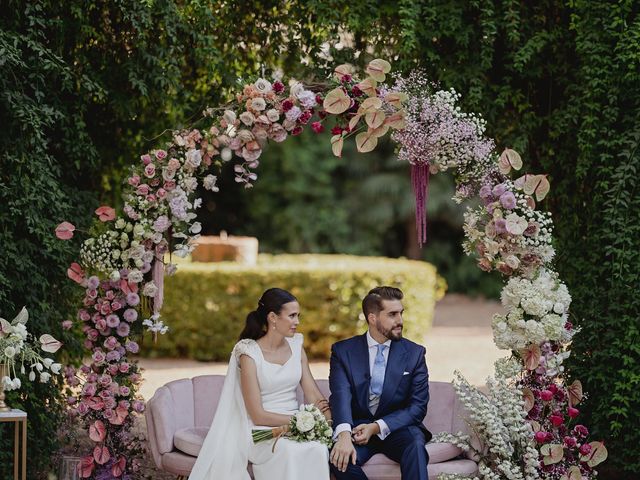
x,y
403,404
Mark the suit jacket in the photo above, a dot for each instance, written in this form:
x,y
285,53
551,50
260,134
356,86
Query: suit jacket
x,y
405,393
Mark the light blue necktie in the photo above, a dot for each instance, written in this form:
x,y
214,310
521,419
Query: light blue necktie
x,y
377,377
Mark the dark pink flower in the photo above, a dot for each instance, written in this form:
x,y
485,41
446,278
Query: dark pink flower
x,y
143,189
570,441
541,436
585,449
556,420
546,395
278,86
317,127
337,130
160,154
573,412
287,105
297,130
346,78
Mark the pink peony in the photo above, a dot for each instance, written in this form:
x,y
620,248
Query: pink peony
x,y
130,315
65,230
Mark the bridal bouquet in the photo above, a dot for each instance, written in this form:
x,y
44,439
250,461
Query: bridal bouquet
x,y
306,425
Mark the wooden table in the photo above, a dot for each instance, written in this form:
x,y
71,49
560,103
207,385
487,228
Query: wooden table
x,y
18,417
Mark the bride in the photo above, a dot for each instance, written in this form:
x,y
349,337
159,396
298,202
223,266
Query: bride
x,y
265,368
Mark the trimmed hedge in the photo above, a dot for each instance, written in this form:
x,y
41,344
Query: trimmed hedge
x,y
206,303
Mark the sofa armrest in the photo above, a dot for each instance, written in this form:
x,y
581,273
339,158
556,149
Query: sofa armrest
x,y
162,427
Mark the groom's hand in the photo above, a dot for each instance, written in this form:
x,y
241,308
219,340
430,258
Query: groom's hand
x,y
362,433
343,451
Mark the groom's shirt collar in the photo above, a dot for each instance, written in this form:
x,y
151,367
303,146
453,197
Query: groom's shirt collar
x,y
371,342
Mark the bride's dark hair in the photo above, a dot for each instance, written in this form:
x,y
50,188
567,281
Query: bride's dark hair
x,y
272,300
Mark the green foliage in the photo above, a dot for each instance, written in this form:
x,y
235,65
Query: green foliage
x,y
206,303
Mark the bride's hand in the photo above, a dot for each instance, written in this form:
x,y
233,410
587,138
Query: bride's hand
x,y
323,406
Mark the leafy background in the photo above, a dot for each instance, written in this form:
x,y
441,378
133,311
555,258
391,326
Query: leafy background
x,y
86,86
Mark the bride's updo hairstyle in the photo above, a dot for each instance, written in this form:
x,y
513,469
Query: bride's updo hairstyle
x,y
272,300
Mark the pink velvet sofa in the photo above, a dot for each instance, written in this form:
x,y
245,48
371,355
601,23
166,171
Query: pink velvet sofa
x,y
180,413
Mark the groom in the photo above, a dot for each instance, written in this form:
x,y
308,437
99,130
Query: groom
x,y
379,393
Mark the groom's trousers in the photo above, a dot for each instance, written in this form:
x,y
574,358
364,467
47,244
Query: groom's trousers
x,y
405,446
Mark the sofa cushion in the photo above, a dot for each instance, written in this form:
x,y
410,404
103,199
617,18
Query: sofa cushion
x,y
189,440
441,452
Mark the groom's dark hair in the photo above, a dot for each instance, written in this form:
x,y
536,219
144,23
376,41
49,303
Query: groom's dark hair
x,y
372,303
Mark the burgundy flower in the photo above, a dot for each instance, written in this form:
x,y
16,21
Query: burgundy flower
x,y
356,92
317,127
585,449
297,130
346,78
287,105
337,130
278,86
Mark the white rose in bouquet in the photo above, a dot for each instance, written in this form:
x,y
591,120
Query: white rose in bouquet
x,y
304,421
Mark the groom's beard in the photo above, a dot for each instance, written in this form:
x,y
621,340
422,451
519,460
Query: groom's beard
x,y
393,333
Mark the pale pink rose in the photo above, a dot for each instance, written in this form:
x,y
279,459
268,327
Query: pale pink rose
x,y
67,324
161,193
485,264
134,181
161,154
277,133
111,343
273,115
146,158
116,305
169,185
89,389
84,315
174,164
251,155
150,170
124,367
512,261
247,118
143,189
150,198
258,104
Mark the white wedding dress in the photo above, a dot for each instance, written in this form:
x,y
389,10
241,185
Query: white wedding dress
x,y
228,446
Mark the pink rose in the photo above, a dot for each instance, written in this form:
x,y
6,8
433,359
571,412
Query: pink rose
x,y
169,185
174,164
143,189
67,324
134,180
150,170
161,193
151,198
556,420
160,154
89,389
98,357
317,127
146,158
138,406
111,343
124,367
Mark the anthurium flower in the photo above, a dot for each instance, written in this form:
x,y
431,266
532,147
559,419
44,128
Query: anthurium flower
x,y
75,273
105,213
49,344
65,230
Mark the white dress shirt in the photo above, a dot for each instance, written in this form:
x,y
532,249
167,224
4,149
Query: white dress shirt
x,y
373,350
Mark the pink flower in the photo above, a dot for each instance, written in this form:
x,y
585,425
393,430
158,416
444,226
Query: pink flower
x,y
346,78
161,193
585,449
134,180
111,343
75,273
89,389
297,130
305,117
132,347
133,299
65,230
161,224
146,158
337,130
123,329
124,367
84,315
546,395
317,127
169,185
116,305
499,189
541,436
105,213
98,357
124,391
150,170
556,420
287,105
160,154
570,441
113,321
138,406
508,200
114,355
143,189
67,324
130,315
573,412
174,164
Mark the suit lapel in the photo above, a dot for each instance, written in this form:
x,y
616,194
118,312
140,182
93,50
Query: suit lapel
x,y
393,374
359,360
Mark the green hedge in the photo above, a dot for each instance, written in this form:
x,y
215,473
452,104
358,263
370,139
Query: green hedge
x,y
206,303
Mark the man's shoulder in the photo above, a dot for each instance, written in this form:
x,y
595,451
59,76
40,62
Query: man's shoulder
x,y
412,346
346,343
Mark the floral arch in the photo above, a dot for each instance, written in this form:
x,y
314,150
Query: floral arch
x,y
525,425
